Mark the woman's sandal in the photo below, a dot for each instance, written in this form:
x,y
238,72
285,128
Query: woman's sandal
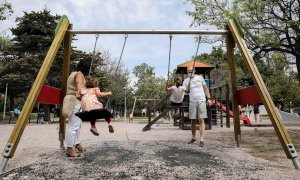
x,y
74,155
80,149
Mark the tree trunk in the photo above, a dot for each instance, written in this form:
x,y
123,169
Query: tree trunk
x,y
297,47
298,67
46,108
12,103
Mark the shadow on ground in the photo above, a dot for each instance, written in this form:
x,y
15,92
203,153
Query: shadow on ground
x,y
131,160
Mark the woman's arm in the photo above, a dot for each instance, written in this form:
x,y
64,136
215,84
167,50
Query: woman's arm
x,y
79,80
101,94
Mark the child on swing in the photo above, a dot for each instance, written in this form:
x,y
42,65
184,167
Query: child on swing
x,y
90,102
177,92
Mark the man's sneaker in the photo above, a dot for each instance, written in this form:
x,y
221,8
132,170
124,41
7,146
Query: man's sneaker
x,y
191,141
201,143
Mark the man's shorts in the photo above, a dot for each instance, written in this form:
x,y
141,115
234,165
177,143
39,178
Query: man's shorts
x,y
197,110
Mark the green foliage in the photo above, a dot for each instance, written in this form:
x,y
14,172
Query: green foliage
x,y
34,32
24,54
143,71
269,26
21,57
220,74
282,85
148,85
5,10
5,42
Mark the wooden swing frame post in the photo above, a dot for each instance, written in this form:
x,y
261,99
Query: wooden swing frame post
x,y
231,65
65,75
18,130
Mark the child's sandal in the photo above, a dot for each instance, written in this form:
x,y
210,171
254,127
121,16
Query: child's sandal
x,y
94,131
111,129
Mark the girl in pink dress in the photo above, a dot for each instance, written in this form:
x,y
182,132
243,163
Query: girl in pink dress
x,y
89,101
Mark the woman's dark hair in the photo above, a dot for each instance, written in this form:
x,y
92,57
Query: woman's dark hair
x,y
84,66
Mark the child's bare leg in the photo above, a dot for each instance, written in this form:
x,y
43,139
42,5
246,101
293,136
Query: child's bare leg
x,y
108,120
93,123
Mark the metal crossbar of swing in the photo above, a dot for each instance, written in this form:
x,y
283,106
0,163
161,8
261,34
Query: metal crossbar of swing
x,y
183,32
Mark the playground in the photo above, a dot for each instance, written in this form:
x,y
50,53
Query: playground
x,y
157,154
241,98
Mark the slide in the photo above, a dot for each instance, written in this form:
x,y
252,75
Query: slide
x,y
245,119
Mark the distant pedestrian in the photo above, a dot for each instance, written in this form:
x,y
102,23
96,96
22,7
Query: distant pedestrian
x,y
256,112
144,111
130,117
17,111
157,114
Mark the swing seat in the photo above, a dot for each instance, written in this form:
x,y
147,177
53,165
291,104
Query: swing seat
x,y
94,114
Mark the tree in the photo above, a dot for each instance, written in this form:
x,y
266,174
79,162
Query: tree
x,y
5,10
32,39
143,71
5,44
148,85
104,69
270,26
33,36
277,74
220,74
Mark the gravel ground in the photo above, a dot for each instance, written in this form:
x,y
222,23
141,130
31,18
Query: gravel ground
x,y
129,153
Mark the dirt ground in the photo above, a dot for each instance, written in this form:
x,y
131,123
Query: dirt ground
x,y
161,153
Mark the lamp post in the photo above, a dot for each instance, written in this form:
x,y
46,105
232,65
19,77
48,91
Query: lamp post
x,y
4,108
125,111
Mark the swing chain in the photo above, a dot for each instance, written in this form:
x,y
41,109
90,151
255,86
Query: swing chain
x,y
200,37
94,53
170,47
117,69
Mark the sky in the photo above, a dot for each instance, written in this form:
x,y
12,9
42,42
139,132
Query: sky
x,y
124,14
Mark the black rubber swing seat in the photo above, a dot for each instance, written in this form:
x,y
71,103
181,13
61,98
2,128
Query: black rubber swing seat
x,y
94,114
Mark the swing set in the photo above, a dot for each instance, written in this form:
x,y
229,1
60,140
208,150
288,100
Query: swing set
x,y
233,34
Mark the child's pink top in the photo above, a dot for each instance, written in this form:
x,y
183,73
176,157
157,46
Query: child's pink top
x,y
89,100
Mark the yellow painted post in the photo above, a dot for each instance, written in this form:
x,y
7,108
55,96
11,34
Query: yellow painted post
x,y
265,96
231,64
65,74
18,130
